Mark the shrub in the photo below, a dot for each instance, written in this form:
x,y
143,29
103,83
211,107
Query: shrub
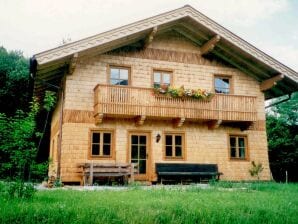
x,y
19,189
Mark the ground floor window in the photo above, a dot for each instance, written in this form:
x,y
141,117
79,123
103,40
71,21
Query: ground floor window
x,y
174,146
238,147
101,143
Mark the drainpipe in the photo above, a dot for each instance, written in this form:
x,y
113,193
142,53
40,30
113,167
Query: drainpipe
x,y
60,136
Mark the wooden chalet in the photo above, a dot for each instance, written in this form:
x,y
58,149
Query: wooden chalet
x,y
173,89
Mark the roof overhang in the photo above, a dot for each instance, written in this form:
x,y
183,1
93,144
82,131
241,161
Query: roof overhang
x,y
53,64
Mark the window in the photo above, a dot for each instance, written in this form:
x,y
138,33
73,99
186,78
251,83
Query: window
x,y
238,147
161,78
101,144
174,148
222,84
119,76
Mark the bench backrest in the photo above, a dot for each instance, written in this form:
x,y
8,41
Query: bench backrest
x,y
188,167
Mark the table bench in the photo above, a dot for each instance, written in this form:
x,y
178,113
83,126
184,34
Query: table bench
x,y
91,170
180,171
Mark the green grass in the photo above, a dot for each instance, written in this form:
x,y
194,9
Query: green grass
x,y
256,203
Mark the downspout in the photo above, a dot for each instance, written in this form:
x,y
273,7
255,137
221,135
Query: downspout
x,y
60,135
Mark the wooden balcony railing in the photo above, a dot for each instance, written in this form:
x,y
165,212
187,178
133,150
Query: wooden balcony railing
x,y
126,101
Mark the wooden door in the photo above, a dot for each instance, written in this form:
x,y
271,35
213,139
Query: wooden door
x,y
139,154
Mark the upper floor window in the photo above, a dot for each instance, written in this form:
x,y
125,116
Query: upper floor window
x,y
161,78
238,147
174,146
101,143
119,75
222,84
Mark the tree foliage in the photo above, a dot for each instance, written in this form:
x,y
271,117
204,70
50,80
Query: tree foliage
x,y
18,150
14,82
282,131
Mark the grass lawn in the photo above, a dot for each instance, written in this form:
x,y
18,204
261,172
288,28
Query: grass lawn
x,y
257,203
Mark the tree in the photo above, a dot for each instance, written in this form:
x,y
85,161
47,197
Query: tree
x,y
282,131
14,82
18,151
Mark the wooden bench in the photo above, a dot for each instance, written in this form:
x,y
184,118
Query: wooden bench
x,y
91,170
180,171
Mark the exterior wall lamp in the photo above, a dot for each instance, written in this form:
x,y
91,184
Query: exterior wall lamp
x,y
158,137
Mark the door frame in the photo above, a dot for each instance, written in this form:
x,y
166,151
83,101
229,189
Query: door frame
x,y
147,176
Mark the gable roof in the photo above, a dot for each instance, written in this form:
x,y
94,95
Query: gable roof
x,y
51,65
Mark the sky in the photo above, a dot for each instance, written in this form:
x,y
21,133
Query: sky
x,y
33,26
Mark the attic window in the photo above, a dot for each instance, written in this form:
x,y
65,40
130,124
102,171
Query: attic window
x,y
119,75
161,78
222,84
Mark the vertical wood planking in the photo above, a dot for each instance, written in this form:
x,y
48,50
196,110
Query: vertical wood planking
x,y
134,101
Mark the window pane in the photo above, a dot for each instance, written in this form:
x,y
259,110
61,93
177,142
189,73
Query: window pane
x,y
242,153
143,140
241,142
157,77
115,81
134,139
124,74
233,152
178,151
142,166
95,137
106,150
178,140
169,151
134,152
222,85
232,142
95,150
142,152
107,138
123,82
166,78
114,73
168,139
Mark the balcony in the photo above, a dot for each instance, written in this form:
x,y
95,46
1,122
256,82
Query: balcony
x,y
141,104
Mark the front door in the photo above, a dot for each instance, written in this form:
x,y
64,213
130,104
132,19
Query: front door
x,y
138,150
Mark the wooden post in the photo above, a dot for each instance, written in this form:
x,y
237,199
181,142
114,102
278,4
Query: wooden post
x,y
91,174
132,172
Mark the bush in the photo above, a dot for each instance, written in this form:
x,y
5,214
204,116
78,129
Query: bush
x,y
17,189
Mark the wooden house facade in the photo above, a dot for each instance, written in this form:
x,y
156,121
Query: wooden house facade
x,y
109,112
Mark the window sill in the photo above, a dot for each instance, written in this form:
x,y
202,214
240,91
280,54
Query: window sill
x,y
174,158
239,159
101,157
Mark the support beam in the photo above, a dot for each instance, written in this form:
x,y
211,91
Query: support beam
x,y
214,124
150,38
269,83
236,65
73,63
209,45
178,122
139,120
98,118
251,65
